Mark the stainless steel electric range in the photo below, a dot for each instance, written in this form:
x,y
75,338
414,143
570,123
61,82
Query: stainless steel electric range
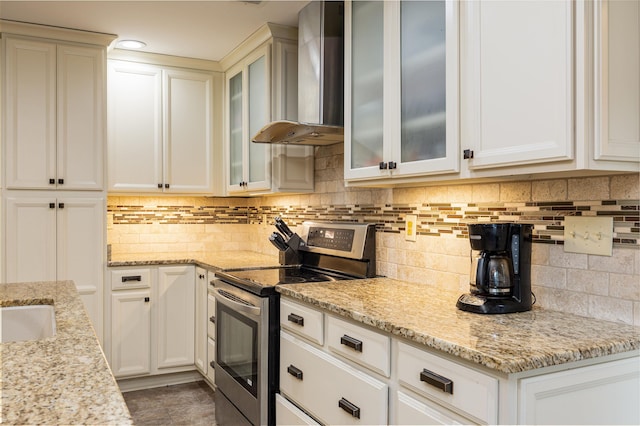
x,y
248,311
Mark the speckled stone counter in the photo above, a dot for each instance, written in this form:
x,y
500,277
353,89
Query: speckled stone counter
x,y
427,315
64,379
216,260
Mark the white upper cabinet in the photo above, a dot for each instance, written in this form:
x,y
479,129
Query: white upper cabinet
x,y
401,89
617,86
517,82
261,86
160,129
54,115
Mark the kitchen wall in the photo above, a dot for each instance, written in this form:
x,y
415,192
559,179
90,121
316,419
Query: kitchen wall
x,y
594,286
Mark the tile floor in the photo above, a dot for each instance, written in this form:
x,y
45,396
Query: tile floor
x,y
186,404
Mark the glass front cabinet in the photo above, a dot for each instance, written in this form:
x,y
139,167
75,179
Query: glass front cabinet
x,y
262,87
401,89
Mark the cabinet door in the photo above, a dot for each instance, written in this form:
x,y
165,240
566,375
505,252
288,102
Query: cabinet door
x,y
135,127
130,332
517,82
187,131
30,237
80,250
175,316
249,94
201,320
30,114
81,115
617,87
402,85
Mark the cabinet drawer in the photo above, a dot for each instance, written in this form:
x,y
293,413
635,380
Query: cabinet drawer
x,y
211,316
211,357
473,392
327,388
410,411
359,344
122,279
289,414
306,322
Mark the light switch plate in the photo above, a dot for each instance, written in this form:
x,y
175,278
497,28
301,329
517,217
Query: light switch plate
x,y
590,235
410,227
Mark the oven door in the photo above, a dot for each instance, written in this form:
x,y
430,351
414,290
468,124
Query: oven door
x,y
241,321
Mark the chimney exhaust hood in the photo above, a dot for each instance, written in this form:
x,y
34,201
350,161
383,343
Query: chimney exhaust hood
x,y
320,80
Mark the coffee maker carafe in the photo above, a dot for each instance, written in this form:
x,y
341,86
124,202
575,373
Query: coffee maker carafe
x,y
500,276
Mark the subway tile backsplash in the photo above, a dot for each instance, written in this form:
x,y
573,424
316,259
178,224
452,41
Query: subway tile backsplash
x,y
594,286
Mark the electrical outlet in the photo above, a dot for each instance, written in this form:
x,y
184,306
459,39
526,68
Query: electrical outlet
x,y
590,235
410,227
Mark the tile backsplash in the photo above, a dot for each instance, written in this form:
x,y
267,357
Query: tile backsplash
x,y
595,286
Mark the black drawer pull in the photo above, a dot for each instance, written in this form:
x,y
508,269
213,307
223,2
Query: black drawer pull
x,y
349,408
132,278
295,372
212,319
297,319
351,342
146,299
436,380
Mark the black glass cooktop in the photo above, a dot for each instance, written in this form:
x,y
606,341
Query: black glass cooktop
x,y
262,281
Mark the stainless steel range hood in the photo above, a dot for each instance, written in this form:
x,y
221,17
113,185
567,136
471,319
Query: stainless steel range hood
x,y
320,80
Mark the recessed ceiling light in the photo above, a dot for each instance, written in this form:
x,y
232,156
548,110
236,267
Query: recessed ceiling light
x,y
131,44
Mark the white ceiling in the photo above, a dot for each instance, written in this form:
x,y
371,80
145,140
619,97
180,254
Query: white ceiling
x,y
206,29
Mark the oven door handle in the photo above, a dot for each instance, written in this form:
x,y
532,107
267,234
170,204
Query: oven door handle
x,y
237,306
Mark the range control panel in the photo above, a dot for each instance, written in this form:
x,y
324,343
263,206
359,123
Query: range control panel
x,y
331,238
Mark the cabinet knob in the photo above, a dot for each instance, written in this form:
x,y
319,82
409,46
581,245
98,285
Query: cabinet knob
x,y
60,181
201,276
392,164
160,185
349,341
61,205
52,205
146,299
350,408
436,380
296,319
52,181
295,372
383,165
166,185
467,154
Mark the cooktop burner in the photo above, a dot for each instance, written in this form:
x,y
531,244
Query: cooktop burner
x,y
262,281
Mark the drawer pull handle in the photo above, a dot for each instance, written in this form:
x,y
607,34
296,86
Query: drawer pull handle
x,y
351,342
212,319
296,319
132,278
295,372
349,408
436,380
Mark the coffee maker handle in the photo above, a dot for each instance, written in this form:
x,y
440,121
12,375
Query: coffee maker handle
x,y
481,273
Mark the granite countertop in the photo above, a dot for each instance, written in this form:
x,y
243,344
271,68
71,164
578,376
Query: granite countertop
x,y
210,260
426,314
63,379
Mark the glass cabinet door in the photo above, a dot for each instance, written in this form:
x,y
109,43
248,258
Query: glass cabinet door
x,y
235,129
367,60
258,118
423,80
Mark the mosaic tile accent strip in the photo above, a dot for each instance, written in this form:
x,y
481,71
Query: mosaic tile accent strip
x,y
434,219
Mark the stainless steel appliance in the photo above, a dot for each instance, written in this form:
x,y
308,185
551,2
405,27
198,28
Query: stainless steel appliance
x,y
500,276
248,316
320,80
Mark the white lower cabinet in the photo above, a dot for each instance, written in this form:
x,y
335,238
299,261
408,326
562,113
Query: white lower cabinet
x,y
152,320
328,388
201,321
597,394
424,386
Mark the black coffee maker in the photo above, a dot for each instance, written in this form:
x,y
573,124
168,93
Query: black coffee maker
x,y
500,276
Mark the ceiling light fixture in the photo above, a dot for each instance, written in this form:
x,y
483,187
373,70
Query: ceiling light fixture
x,y
131,44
